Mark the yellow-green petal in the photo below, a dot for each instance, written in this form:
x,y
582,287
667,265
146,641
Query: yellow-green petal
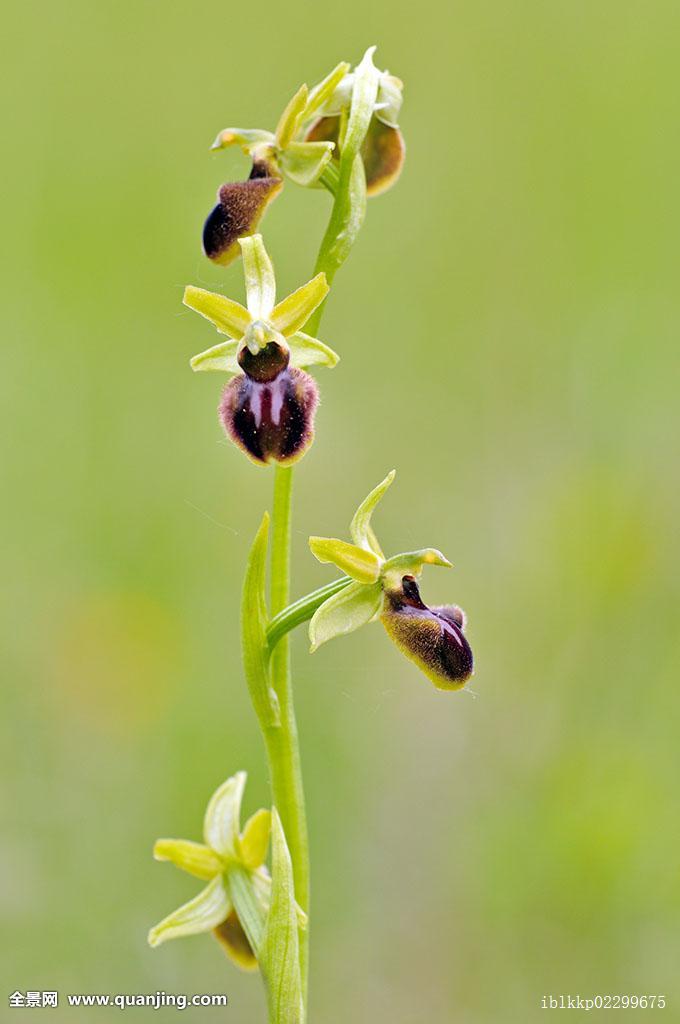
x,y
290,118
227,316
255,838
411,563
205,912
363,566
293,312
247,138
325,88
194,858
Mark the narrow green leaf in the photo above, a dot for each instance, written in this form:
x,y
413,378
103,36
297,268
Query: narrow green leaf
x,y
227,316
279,954
259,275
201,914
360,527
363,566
307,351
220,358
254,620
346,611
293,312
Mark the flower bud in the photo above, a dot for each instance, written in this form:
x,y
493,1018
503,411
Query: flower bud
x,y
383,150
239,209
431,637
268,410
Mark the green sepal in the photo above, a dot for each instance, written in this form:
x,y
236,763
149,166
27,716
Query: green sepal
x,y
351,608
221,824
307,351
291,117
194,858
293,312
305,162
279,954
362,565
259,275
360,528
229,317
201,914
254,620
247,138
220,358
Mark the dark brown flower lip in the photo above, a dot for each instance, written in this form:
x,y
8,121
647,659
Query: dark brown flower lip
x,y
271,421
240,206
431,636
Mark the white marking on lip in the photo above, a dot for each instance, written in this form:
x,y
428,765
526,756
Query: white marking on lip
x,y
256,403
277,393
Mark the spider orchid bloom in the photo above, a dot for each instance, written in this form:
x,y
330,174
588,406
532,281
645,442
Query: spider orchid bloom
x,y
284,153
386,588
268,406
232,863
383,149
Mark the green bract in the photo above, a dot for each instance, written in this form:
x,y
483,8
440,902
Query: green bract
x,y
242,903
373,574
263,321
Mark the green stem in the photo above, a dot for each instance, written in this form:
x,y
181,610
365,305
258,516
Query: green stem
x,y
302,610
283,749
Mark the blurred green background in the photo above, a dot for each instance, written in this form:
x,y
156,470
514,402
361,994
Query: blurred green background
x,y
508,327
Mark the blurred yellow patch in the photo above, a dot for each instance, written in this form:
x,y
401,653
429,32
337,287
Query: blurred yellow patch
x,y
116,659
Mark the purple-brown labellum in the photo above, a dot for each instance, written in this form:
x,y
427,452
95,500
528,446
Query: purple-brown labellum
x,y
233,939
382,152
240,205
268,410
431,637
